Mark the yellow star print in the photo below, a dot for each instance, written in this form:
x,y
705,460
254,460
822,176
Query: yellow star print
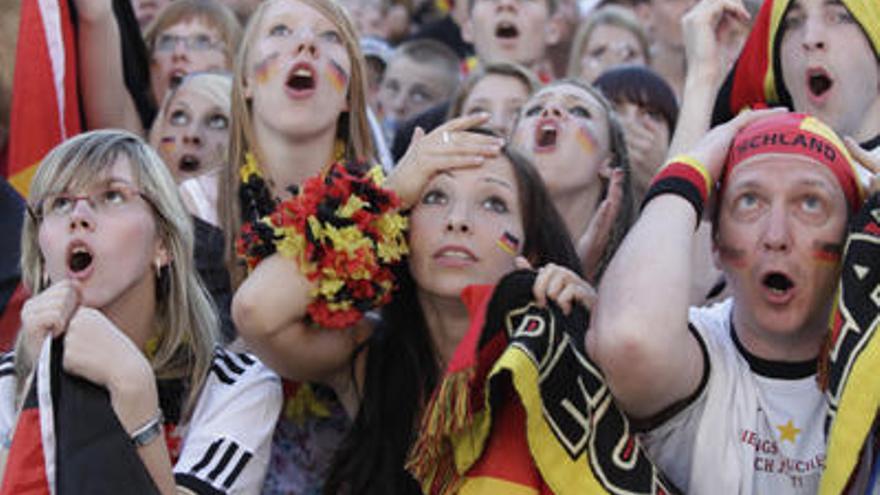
x,y
788,432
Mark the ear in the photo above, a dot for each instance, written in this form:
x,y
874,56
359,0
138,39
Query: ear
x,y
605,168
467,30
553,31
163,256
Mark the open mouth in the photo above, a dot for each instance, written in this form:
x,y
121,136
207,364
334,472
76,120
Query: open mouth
x,y
778,283
175,79
301,78
189,163
819,82
546,135
79,259
506,30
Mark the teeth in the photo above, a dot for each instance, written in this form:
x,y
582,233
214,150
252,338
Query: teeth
x,y
80,249
547,128
456,254
302,73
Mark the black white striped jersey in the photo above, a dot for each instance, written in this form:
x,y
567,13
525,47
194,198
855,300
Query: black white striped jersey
x,y
226,444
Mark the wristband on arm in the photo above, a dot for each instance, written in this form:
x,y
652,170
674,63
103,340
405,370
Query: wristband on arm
x,y
686,177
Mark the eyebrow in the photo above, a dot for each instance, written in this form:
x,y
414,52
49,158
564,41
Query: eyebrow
x,y
500,182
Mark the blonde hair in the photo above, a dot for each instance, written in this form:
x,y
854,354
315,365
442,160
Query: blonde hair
x,y
611,15
508,69
215,15
185,321
352,126
216,86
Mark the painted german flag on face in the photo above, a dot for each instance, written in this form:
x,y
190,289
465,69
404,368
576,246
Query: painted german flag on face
x,y
756,78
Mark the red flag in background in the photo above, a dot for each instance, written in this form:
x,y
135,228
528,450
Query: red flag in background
x,y
45,103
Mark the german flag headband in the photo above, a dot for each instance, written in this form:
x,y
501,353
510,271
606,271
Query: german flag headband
x,y
798,134
756,80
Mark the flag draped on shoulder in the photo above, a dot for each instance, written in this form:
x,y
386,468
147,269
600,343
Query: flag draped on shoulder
x,y
45,102
523,410
853,358
68,439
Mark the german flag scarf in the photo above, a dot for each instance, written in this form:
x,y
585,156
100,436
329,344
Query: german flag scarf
x,y
68,440
852,376
756,78
523,410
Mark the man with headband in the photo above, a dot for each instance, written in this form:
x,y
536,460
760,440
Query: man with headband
x,y
727,394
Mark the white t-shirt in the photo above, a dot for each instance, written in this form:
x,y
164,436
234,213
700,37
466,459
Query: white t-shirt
x,y
754,427
224,448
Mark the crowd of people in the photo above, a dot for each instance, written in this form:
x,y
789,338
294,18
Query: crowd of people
x,y
465,246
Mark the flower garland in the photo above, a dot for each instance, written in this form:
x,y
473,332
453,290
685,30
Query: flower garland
x,y
342,229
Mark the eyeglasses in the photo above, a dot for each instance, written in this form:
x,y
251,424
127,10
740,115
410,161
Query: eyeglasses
x,y
196,43
103,200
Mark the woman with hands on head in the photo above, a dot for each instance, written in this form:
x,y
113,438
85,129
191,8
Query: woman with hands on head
x,y
299,136
107,254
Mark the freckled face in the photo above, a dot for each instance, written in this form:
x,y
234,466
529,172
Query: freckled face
x,y
456,226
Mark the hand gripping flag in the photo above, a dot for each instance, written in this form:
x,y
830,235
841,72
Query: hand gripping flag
x,y
68,439
523,410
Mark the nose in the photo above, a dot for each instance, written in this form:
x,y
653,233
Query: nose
x,y
180,48
777,232
814,33
193,135
305,44
82,216
551,110
458,219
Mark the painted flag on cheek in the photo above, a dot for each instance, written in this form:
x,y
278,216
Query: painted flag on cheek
x,y
68,439
45,102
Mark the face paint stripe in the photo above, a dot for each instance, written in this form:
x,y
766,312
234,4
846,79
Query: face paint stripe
x,y
264,69
586,140
829,252
509,243
337,76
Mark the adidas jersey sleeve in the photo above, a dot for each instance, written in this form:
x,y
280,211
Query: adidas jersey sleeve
x,y
227,442
7,399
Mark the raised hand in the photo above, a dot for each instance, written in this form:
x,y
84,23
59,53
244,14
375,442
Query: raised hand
x,y
449,146
714,31
560,285
591,245
48,314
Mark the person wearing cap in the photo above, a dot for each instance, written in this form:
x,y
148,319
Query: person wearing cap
x,y
813,56
727,394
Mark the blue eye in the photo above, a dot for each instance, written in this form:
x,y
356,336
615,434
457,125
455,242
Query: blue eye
x,y
747,201
579,111
331,36
434,197
496,205
218,121
179,118
534,110
279,30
